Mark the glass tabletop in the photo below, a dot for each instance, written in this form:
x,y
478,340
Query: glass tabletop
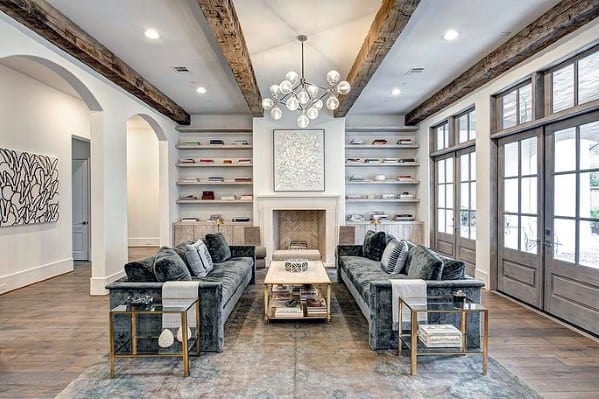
x,y
440,304
182,306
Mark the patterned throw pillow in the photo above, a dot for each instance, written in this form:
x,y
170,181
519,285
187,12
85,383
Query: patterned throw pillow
x,y
199,259
374,244
402,259
218,247
394,256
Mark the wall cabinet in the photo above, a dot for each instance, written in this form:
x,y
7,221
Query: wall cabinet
x,y
189,231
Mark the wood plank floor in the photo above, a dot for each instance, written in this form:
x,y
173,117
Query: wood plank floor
x,y
53,330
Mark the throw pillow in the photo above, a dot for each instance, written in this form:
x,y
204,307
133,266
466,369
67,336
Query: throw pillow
x,y
425,264
181,250
140,270
374,244
218,247
402,259
168,266
453,269
409,258
394,256
198,258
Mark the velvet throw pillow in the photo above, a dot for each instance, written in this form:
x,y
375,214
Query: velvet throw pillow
x,y
140,270
374,244
425,264
199,259
168,266
453,269
394,256
218,247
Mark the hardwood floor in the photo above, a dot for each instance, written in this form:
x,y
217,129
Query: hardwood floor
x,y
53,330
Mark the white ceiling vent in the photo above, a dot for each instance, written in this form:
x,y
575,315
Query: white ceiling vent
x,y
180,69
415,70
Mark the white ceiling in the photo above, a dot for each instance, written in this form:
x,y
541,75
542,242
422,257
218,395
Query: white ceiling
x,y
483,25
120,25
335,28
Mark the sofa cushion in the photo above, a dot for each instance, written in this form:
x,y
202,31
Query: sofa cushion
x,y
230,273
425,264
361,271
260,252
140,270
218,247
168,266
181,250
453,269
199,259
374,244
394,256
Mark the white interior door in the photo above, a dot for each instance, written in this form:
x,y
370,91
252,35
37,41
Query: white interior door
x,y
80,209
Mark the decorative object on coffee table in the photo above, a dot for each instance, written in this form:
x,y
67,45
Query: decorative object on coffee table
x,y
298,160
296,265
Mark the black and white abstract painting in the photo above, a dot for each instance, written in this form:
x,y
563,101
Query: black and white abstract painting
x,y
28,188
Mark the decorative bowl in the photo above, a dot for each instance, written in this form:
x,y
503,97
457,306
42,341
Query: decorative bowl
x,y
296,265
140,300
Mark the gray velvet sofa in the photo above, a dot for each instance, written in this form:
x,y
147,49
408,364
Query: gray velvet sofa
x,y
369,285
219,292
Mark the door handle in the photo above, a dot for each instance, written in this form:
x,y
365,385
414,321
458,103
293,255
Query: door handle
x,y
548,244
83,223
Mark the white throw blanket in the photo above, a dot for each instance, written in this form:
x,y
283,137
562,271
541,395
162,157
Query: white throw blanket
x,y
178,293
413,289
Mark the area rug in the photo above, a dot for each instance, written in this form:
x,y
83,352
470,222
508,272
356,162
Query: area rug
x,y
299,360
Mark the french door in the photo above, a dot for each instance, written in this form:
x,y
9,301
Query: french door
x,y
455,206
548,232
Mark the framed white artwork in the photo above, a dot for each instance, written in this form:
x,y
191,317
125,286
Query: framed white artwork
x,y
298,157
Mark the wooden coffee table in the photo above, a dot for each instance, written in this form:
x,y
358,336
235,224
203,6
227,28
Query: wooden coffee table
x,y
277,277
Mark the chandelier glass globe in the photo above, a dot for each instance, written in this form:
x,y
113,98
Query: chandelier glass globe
x,y
292,103
318,104
313,91
293,77
333,77
343,87
332,103
303,97
312,113
276,113
303,121
267,104
285,87
275,91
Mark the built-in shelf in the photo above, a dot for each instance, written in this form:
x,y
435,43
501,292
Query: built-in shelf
x,y
399,200
181,201
207,223
366,222
187,129
213,165
382,129
384,182
213,147
207,183
396,164
383,146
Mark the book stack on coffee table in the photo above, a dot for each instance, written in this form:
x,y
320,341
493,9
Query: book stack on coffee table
x,y
440,336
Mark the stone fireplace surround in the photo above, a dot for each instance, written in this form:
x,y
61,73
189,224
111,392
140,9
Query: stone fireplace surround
x,y
266,205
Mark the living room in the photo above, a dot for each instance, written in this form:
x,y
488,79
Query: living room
x,y
316,162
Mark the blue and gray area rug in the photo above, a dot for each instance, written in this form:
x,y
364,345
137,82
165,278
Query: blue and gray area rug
x,y
299,360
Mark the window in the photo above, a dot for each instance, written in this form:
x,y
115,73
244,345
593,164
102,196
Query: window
x,y
467,195
466,127
441,134
575,83
516,106
445,195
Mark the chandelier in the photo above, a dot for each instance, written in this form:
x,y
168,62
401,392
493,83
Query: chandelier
x,y
297,94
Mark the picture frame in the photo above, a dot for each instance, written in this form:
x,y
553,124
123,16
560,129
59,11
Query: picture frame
x,y
298,160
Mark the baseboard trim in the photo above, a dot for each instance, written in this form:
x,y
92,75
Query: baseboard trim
x,y
97,285
143,241
482,275
22,278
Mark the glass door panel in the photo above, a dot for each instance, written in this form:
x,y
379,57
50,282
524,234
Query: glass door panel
x,y
444,205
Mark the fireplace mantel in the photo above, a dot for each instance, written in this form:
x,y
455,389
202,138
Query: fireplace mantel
x,y
267,204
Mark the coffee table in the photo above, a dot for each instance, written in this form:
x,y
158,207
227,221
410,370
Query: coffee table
x,y
440,305
147,346
277,276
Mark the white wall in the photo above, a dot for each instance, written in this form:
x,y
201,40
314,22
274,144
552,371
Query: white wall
x,y
39,119
480,98
143,209
108,127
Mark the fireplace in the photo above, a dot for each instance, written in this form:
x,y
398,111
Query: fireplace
x,y
314,219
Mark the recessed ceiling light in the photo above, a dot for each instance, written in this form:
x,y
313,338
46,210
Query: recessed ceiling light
x,y
396,92
152,34
451,34
201,90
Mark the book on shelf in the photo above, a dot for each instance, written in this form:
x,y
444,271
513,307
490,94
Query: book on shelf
x,y
187,160
240,142
356,141
440,335
404,217
390,160
188,180
244,161
284,311
280,288
407,160
405,178
371,160
405,195
190,142
189,220
379,215
356,178
353,196
206,160
240,219
227,198
216,179
246,197
379,142
353,160
309,292
243,179
189,197
406,141
216,142
387,196
227,161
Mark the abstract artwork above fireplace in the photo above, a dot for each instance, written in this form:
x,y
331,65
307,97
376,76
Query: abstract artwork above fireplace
x,y
28,188
298,157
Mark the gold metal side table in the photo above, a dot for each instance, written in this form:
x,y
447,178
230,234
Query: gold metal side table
x,y
177,349
417,306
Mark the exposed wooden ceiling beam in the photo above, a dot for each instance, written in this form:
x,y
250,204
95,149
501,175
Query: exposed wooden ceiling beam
x,y
45,20
564,18
388,23
222,19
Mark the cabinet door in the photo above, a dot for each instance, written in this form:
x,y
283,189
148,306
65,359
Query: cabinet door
x,y
411,232
183,233
201,230
238,236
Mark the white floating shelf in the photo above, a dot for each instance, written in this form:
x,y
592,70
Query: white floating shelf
x,y
207,183
362,164
213,165
383,182
407,201
206,223
181,201
213,147
383,146
350,223
187,129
